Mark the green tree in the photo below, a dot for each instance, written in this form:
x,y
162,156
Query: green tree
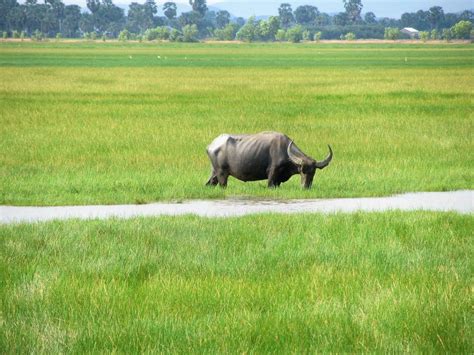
x,y
341,19
286,15
447,35
86,23
140,16
323,19
105,17
422,20
434,34
450,20
370,18
110,19
71,22
388,22
150,34
266,30
175,36
190,33
466,15
350,36
160,32
199,6
306,35
222,18
295,34
56,8
151,9
32,16
306,14
170,10
40,17
436,16
317,36
408,19
262,31
424,35
353,10
15,18
189,18
249,31
273,26
93,5
37,35
6,6
124,35
227,33
207,24
391,33
280,35
462,30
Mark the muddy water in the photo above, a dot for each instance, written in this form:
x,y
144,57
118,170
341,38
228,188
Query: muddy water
x,y
458,201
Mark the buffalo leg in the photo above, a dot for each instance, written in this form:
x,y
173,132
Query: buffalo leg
x,y
222,177
273,179
213,179
272,184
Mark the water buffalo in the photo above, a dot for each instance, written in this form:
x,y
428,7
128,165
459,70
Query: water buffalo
x,y
266,155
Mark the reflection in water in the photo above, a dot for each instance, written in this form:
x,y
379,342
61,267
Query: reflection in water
x,y
458,201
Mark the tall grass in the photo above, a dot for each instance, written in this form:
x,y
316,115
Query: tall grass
x,y
392,282
83,123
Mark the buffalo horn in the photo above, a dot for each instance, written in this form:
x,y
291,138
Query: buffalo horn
x,y
293,158
325,162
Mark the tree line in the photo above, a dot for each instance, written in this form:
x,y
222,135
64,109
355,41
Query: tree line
x,y
103,19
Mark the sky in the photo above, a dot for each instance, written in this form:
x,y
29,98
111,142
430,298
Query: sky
x,y
381,8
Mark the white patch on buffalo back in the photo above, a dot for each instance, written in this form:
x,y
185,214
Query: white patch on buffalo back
x,y
218,142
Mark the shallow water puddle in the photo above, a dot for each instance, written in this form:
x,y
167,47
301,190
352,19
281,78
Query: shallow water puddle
x,y
457,201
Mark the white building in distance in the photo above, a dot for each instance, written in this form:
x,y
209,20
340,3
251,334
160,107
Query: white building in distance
x,y
412,32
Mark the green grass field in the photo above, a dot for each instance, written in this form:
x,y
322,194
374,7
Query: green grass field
x,y
392,282
90,123
85,123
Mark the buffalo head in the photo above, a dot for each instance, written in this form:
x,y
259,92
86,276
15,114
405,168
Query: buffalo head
x,y
306,165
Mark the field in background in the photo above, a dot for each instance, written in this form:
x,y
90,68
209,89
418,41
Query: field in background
x,y
86,123
392,282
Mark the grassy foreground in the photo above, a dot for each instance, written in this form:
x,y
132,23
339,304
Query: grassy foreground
x,y
87,123
393,282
